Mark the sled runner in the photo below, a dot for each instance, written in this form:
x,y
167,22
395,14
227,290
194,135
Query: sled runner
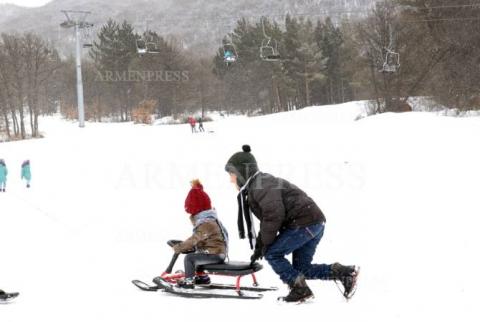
x,y
7,297
167,281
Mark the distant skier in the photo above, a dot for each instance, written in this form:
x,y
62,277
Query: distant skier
x,y
290,223
209,242
3,175
200,125
192,122
26,172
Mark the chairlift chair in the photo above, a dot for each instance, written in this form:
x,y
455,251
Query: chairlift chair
x,y
389,68
87,35
229,53
269,50
152,48
269,47
141,47
392,62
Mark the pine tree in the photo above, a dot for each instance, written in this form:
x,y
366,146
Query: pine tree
x,y
330,39
113,53
106,48
305,62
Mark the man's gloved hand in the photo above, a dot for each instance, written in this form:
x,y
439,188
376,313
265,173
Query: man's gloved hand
x,y
258,252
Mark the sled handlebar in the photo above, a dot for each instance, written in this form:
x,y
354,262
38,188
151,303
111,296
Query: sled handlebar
x,y
173,242
172,263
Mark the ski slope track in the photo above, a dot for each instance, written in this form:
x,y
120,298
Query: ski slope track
x,y
400,193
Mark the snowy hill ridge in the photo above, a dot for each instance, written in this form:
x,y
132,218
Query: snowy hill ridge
x,y
399,192
198,24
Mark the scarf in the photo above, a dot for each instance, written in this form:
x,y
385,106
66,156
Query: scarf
x,y
244,212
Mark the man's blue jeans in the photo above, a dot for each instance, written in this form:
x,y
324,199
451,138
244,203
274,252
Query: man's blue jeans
x,y
302,242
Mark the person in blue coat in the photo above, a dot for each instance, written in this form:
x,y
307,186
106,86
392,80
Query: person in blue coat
x,y
3,175
26,172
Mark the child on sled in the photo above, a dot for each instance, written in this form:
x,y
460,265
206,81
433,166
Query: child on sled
x,y
209,241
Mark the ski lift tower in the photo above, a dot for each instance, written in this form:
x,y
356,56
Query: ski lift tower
x,y
76,19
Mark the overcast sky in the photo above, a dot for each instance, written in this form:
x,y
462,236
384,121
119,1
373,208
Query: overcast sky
x,y
26,3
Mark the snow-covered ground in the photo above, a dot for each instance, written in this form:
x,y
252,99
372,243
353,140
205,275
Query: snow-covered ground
x,y
400,192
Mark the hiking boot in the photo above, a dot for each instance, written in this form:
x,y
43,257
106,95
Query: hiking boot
x,y
299,291
347,275
188,283
202,280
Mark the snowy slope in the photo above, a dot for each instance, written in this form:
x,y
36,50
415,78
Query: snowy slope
x,y
400,192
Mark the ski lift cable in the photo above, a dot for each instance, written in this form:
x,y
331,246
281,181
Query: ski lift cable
x,y
452,6
444,19
340,12
264,32
390,30
328,13
166,25
323,13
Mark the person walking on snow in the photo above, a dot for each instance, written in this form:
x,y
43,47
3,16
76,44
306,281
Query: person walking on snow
x,y
26,172
192,122
200,125
290,223
3,175
209,241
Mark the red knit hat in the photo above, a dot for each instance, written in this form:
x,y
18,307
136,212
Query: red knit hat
x,y
197,200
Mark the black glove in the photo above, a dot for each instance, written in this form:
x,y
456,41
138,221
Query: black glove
x,y
258,252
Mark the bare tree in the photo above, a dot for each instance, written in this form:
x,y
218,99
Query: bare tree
x,y
26,65
15,70
390,33
40,60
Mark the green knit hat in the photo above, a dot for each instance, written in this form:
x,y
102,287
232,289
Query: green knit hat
x,y
243,164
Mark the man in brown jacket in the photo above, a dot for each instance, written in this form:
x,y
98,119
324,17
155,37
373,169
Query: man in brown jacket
x,y
290,223
209,241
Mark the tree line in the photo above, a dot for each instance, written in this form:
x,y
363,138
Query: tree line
x,y
432,45
27,87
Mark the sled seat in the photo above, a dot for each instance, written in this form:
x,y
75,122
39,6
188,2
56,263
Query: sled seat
x,y
231,268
